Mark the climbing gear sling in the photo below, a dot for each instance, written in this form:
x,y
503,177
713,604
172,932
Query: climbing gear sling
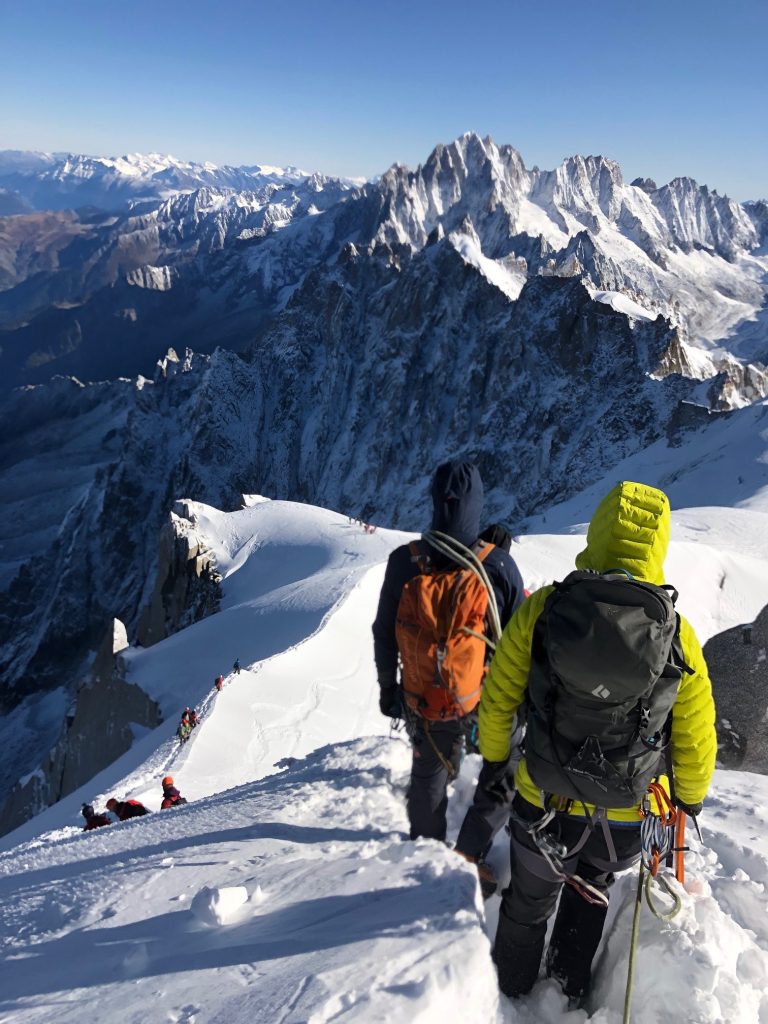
x,y
555,853
660,835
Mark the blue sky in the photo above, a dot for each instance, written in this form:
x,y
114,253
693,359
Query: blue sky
x,y
666,88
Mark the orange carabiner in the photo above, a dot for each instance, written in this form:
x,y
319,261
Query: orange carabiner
x,y
667,813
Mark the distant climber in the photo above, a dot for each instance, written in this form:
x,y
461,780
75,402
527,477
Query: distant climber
x,y
236,667
185,715
92,819
193,719
219,682
183,731
171,795
125,809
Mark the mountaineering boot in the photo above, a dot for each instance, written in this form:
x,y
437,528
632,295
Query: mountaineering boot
x,y
517,953
488,881
485,873
575,937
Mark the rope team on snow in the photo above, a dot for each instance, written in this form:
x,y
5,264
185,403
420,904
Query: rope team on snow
x,y
189,721
122,810
589,701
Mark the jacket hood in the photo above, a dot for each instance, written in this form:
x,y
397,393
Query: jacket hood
x,y
457,501
629,530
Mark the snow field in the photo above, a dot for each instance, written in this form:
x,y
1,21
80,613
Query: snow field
x,y
291,899
285,890
295,899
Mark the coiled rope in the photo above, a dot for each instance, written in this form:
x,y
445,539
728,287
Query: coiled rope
x,y
657,841
467,558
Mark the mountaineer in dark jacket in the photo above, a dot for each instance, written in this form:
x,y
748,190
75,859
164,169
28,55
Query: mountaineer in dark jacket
x,y
457,499
92,819
126,809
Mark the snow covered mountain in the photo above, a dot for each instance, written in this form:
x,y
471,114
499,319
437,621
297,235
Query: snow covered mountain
x,y
102,294
284,890
61,181
336,344
77,552
212,266
681,249
471,306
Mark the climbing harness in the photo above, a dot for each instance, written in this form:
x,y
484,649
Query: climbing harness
x,y
661,834
555,853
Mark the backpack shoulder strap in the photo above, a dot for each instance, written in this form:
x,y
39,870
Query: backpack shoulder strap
x,y
419,556
483,551
677,654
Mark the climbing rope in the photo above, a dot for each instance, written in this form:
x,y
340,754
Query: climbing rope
x,y
660,836
449,766
657,841
633,947
465,557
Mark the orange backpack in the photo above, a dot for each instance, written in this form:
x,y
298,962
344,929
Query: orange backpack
x,y
440,631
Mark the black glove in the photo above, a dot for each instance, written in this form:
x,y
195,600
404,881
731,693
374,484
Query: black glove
x,y
496,781
692,810
389,701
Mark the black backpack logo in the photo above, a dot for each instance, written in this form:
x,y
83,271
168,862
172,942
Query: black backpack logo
x,y
606,663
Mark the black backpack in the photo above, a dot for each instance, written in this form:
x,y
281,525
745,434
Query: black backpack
x,y
606,663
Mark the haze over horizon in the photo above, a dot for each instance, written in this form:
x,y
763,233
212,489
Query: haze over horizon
x,y
666,92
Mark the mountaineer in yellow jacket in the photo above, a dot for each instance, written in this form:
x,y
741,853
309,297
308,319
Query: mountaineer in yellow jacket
x,y
606,689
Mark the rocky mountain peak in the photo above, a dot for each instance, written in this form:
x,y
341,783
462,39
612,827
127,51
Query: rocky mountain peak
x,y
646,184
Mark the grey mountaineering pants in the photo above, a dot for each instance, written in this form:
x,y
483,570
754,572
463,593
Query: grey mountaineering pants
x,y
427,799
427,794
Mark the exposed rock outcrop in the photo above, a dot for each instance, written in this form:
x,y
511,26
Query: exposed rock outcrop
x,y
738,667
99,727
187,583
689,416
737,385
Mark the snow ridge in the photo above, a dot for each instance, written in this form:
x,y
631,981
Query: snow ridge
x,y
286,889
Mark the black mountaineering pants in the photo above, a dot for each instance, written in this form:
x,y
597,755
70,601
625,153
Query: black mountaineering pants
x,y
427,799
487,815
530,899
483,820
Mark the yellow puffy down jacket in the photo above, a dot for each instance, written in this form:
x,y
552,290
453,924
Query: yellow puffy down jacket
x,y
629,530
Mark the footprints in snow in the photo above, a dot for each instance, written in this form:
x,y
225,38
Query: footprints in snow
x,y
189,1014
